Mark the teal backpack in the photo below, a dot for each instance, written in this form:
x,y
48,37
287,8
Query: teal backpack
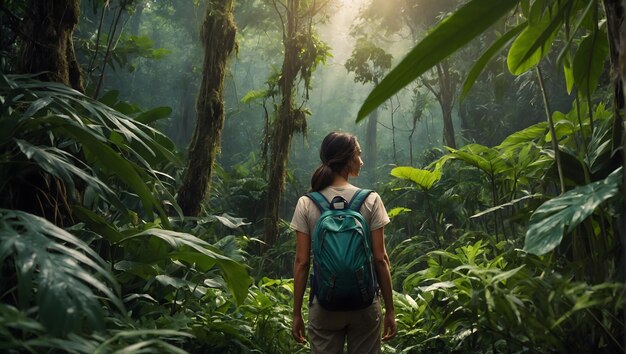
x,y
343,274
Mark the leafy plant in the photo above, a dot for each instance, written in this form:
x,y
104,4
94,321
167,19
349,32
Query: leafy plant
x,y
468,298
562,214
63,269
114,147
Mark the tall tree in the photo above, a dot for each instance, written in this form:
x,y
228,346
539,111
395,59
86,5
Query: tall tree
x,y
412,17
218,37
135,19
47,45
369,62
443,87
302,52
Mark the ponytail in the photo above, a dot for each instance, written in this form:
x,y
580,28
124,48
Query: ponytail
x,y
337,153
322,178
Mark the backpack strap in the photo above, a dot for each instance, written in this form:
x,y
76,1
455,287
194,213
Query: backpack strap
x,y
319,200
359,198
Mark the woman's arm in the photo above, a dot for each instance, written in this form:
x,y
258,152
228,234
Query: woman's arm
x,y
300,275
381,263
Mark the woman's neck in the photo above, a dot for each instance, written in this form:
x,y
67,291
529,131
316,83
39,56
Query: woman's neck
x,y
340,181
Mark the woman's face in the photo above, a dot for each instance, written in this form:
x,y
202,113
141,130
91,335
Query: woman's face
x,y
357,163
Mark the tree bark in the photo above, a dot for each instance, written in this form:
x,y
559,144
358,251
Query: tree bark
x,y
371,146
135,20
48,45
616,30
218,37
447,87
283,128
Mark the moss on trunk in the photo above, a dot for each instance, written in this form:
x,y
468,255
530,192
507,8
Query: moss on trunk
x,y
48,45
284,126
218,38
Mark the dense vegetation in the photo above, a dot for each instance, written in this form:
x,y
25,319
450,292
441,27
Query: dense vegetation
x,y
147,176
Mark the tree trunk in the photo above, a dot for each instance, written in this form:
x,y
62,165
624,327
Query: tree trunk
x,y
135,20
371,146
48,46
447,86
183,129
616,30
218,37
47,49
283,128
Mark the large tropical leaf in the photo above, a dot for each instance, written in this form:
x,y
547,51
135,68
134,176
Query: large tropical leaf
x,y
532,133
196,251
562,214
535,41
486,57
448,36
589,61
424,179
487,159
113,144
505,205
63,270
65,166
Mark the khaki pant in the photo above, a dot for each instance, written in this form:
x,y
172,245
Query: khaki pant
x,y
329,330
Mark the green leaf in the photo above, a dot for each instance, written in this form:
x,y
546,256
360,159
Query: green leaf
x,y
254,95
107,345
534,42
437,286
110,98
599,149
565,54
424,179
447,37
235,273
562,214
230,221
154,114
486,57
397,211
568,71
112,162
97,224
176,283
36,106
484,158
511,203
532,133
589,61
60,269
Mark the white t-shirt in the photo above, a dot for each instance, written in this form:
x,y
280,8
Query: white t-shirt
x,y
306,214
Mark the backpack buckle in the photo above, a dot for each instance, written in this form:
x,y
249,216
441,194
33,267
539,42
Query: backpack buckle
x,y
339,202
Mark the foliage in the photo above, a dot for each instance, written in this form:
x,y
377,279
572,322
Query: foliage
x,y
487,254
61,288
64,276
114,148
452,33
368,61
473,296
562,214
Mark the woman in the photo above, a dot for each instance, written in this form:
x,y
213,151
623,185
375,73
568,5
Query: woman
x,y
329,330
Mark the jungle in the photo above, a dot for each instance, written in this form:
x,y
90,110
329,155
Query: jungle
x,y
152,153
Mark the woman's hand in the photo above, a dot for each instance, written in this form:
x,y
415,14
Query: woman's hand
x,y
297,329
389,329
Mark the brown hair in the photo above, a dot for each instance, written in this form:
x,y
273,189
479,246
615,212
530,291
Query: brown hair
x,y
338,153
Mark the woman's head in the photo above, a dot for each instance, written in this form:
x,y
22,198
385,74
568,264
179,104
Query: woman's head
x,y
341,156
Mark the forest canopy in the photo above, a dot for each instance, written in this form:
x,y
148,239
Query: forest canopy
x,y
152,153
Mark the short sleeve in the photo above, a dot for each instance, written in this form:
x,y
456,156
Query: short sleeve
x,y
379,217
300,222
